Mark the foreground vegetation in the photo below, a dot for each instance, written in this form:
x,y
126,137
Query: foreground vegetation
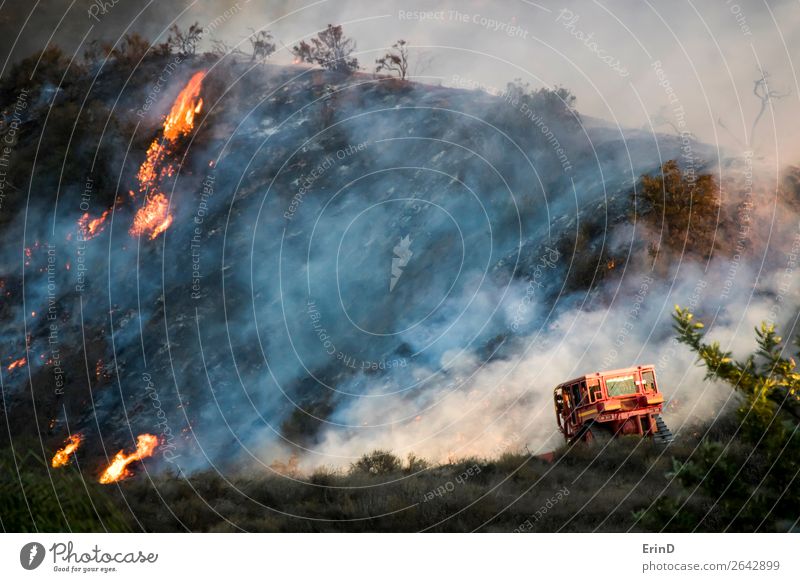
x,y
738,473
582,489
64,501
752,474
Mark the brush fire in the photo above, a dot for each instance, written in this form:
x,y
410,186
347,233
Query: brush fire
x,y
154,217
17,364
91,227
180,120
118,469
62,456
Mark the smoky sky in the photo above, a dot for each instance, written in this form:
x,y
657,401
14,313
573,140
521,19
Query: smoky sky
x,y
608,53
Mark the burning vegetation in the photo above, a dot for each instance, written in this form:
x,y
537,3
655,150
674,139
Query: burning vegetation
x,y
154,216
91,227
17,364
118,469
670,202
180,120
62,456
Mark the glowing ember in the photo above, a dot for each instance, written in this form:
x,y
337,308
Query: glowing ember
x,y
118,469
148,171
91,227
17,364
153,218
61,458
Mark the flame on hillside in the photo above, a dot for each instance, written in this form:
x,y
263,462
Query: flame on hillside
x,y
153,218
180,120
148,174
17,364
118,469
61,458
91,227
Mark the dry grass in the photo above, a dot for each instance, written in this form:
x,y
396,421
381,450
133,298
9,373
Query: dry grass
x,y
606,488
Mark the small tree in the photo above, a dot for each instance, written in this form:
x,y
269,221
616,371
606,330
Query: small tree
x,y
330,49
184,43
766,378
262,45
395,61
685,209
749,482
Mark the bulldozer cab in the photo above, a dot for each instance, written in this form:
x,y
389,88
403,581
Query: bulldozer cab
x,y
571,396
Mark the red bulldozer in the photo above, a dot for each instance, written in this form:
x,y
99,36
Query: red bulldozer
x,y
601,405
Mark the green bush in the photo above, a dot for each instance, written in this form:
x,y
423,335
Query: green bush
x,y
748,480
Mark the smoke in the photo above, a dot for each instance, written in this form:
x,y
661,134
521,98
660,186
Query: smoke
x,y
355,264
711,54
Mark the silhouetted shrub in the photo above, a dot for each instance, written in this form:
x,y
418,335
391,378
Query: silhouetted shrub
x,y
184,42
378,462
395,61
330,49
262,45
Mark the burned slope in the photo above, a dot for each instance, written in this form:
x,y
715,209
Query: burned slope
x,y
330,238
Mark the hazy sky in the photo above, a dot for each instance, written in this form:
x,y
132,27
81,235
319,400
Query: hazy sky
x,y
710,52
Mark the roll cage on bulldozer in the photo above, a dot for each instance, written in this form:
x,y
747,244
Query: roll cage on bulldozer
x,y
614,403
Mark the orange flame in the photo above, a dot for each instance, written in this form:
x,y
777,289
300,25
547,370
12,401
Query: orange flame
x,y
61,458
118,469
154,217
17,363
180,120
148,171
91,227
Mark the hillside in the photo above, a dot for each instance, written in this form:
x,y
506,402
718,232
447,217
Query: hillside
x,y
301,266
